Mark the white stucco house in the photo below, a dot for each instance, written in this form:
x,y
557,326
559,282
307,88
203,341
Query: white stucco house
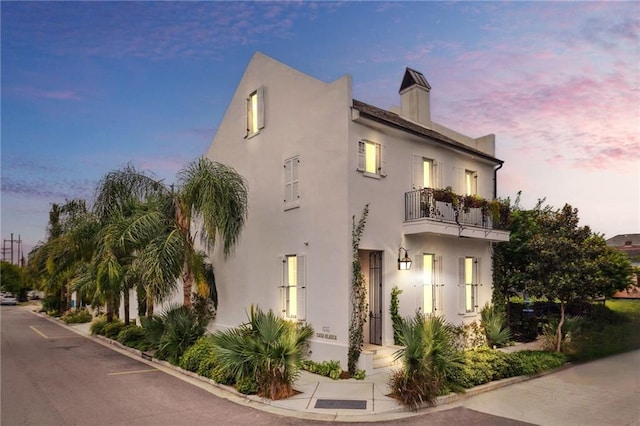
x,y
313,157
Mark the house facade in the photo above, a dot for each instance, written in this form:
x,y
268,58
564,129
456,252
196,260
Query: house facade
x,y
313,158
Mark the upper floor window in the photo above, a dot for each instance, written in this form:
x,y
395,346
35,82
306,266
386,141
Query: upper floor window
x,y
470,182
424,172
254,112
371,159
291,183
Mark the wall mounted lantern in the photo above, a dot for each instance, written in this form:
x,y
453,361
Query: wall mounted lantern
x,y
404,263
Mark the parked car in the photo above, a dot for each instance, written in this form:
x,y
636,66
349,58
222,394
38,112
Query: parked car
x,y
8,300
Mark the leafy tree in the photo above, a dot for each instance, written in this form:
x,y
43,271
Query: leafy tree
x,y
550,256
12,279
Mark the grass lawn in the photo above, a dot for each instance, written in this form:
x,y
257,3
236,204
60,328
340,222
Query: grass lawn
x,y
615,331
629,307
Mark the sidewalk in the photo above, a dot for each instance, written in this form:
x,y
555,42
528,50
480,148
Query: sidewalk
x,y
319,397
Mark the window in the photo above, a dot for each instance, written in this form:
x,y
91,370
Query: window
x,y
291,184
293,287
428,283
428,292
470,182
254,112
423,172
371,158
469,267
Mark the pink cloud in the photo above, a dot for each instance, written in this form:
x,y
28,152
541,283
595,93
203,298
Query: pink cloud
x,y
31,92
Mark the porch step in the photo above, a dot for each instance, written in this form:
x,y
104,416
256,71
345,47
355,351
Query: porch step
x,y
383,357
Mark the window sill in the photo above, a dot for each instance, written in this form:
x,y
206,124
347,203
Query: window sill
x,y
371,175
291,206
250,135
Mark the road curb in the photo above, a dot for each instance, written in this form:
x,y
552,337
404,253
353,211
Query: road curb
x,y
266,404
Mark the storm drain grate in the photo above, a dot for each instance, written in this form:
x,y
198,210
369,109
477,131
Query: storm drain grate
x,y
342,404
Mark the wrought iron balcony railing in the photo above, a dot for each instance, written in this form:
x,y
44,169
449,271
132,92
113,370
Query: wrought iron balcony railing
x,y
445,206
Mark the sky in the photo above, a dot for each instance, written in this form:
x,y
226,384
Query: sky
x,y
89,87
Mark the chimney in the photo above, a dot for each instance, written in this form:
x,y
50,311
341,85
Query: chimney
x,y
414,97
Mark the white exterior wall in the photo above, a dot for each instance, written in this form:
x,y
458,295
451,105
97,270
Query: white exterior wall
x,y
384,228
308,118
313,120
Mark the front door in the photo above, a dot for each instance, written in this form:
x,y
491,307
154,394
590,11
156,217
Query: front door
x,y
375,297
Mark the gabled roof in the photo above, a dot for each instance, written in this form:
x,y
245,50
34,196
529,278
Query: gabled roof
x,y
621,240
394,120
414,78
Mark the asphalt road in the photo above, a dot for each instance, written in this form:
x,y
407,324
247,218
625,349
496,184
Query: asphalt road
x,y
53,376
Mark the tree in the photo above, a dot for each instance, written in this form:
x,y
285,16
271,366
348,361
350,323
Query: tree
x,y
56,263
550,256
210,201
12,279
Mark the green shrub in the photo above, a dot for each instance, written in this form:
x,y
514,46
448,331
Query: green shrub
x,y
111,329
535,362
97,326
201,350
360,375
77,316
486,365
133,336
173,332
267,348
428,357
247,386
220,374
493,323
330,369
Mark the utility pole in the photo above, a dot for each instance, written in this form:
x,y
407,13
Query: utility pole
x,y
10,250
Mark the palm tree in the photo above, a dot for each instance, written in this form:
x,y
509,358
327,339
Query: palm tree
x,y
56,263
210,199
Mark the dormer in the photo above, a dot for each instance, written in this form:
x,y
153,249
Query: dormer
x,y
414,98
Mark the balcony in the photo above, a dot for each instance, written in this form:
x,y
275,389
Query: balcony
x,y
443,212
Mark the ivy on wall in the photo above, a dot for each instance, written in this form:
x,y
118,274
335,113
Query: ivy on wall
x,y
359,303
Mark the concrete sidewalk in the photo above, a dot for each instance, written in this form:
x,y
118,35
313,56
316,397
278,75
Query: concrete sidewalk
x,y
319,397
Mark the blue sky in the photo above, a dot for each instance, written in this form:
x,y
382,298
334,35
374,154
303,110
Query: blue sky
x,y
89,86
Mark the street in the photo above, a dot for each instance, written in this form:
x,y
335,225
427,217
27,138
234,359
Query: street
x,y
53,376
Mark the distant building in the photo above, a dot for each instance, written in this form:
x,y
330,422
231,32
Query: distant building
x,y
629,244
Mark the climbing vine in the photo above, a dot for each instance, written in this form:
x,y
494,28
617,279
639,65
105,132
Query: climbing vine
x,y
394,310
358,296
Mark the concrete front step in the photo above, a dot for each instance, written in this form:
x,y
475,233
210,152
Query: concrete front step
x,y
383,357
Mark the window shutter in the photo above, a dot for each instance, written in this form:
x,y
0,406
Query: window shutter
x,y
460,181
383,160
437,174
260,93
476,281
247,114
361,156
419,289
461,287
295,190
302,288
439,286
418,171
282,261
288,184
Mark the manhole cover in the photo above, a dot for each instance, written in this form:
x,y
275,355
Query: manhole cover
x,y
342,404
